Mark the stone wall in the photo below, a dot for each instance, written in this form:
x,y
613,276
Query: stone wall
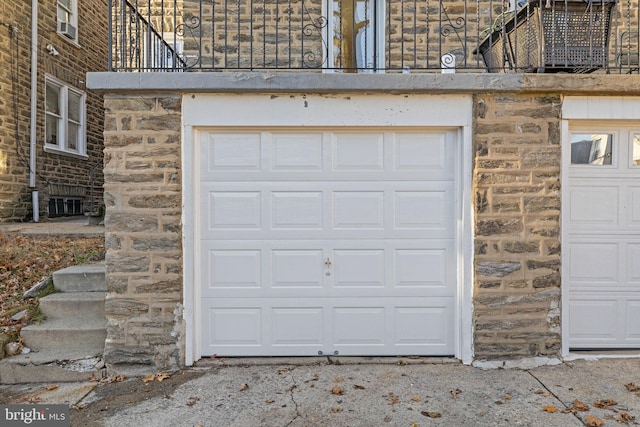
x,y
15,40
143,231
517,225
74,60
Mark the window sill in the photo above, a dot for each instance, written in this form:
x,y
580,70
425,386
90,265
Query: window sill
x,y
55,150
70,41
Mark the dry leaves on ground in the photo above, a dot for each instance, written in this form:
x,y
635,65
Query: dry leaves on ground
x,y
592,421
159,377
26,261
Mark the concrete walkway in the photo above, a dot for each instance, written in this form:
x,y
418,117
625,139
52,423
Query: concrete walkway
x,y
70,227
384,392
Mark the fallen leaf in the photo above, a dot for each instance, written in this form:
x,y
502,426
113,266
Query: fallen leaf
x,y
550,409
338,380
431,414
542,392
243,386
632,387
415,425
455,393
269,401
507,396
282,371
162,376
416,399
159,377
113,379
289,389
192,401
579,406
624,417
401,362
605,403
394,399
358,387
213,356
52,387
337,390
592,421
336,410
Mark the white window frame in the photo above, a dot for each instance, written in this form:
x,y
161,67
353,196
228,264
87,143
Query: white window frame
x,y
72,11
376,27
63,120
152,58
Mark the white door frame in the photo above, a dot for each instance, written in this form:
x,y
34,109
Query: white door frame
x,y
286,110
585,109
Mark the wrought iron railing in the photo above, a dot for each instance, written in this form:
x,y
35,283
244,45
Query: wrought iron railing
x,y
402,36
136,45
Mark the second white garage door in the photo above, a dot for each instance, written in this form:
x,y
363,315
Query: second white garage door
x,y
327,241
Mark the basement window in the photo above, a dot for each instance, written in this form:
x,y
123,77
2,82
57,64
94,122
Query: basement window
x,y
65,206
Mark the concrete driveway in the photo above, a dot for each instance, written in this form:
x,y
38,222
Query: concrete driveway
x,y
358,392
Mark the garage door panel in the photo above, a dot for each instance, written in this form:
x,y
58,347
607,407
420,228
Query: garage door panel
x,y
592,206
359,326
273,156
297,152
259,269
233,151
234,269
358,209
410,325
297,210
633,264
362,268
634,206
296,268
595,262
632,319
423,268
234,210
308,327
233,326
361,210
294,326
358,151
588,330
418,151
422,209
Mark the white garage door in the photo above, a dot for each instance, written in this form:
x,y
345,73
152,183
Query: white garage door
x,y
327,242
603,247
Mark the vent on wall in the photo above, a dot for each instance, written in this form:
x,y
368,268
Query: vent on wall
x,y
60,206
66,29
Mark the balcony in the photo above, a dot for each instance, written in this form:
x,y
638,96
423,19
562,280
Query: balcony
x,y
375,36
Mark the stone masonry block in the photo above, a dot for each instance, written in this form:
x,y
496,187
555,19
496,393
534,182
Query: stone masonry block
x,y
131,222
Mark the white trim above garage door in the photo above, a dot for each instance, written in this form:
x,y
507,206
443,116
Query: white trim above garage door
x,y
343,236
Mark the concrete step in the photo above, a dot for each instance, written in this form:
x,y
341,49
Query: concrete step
x,y
85,305
81,278
52,366
65,333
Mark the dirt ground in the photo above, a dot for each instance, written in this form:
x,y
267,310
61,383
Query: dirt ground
x,y
108,396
